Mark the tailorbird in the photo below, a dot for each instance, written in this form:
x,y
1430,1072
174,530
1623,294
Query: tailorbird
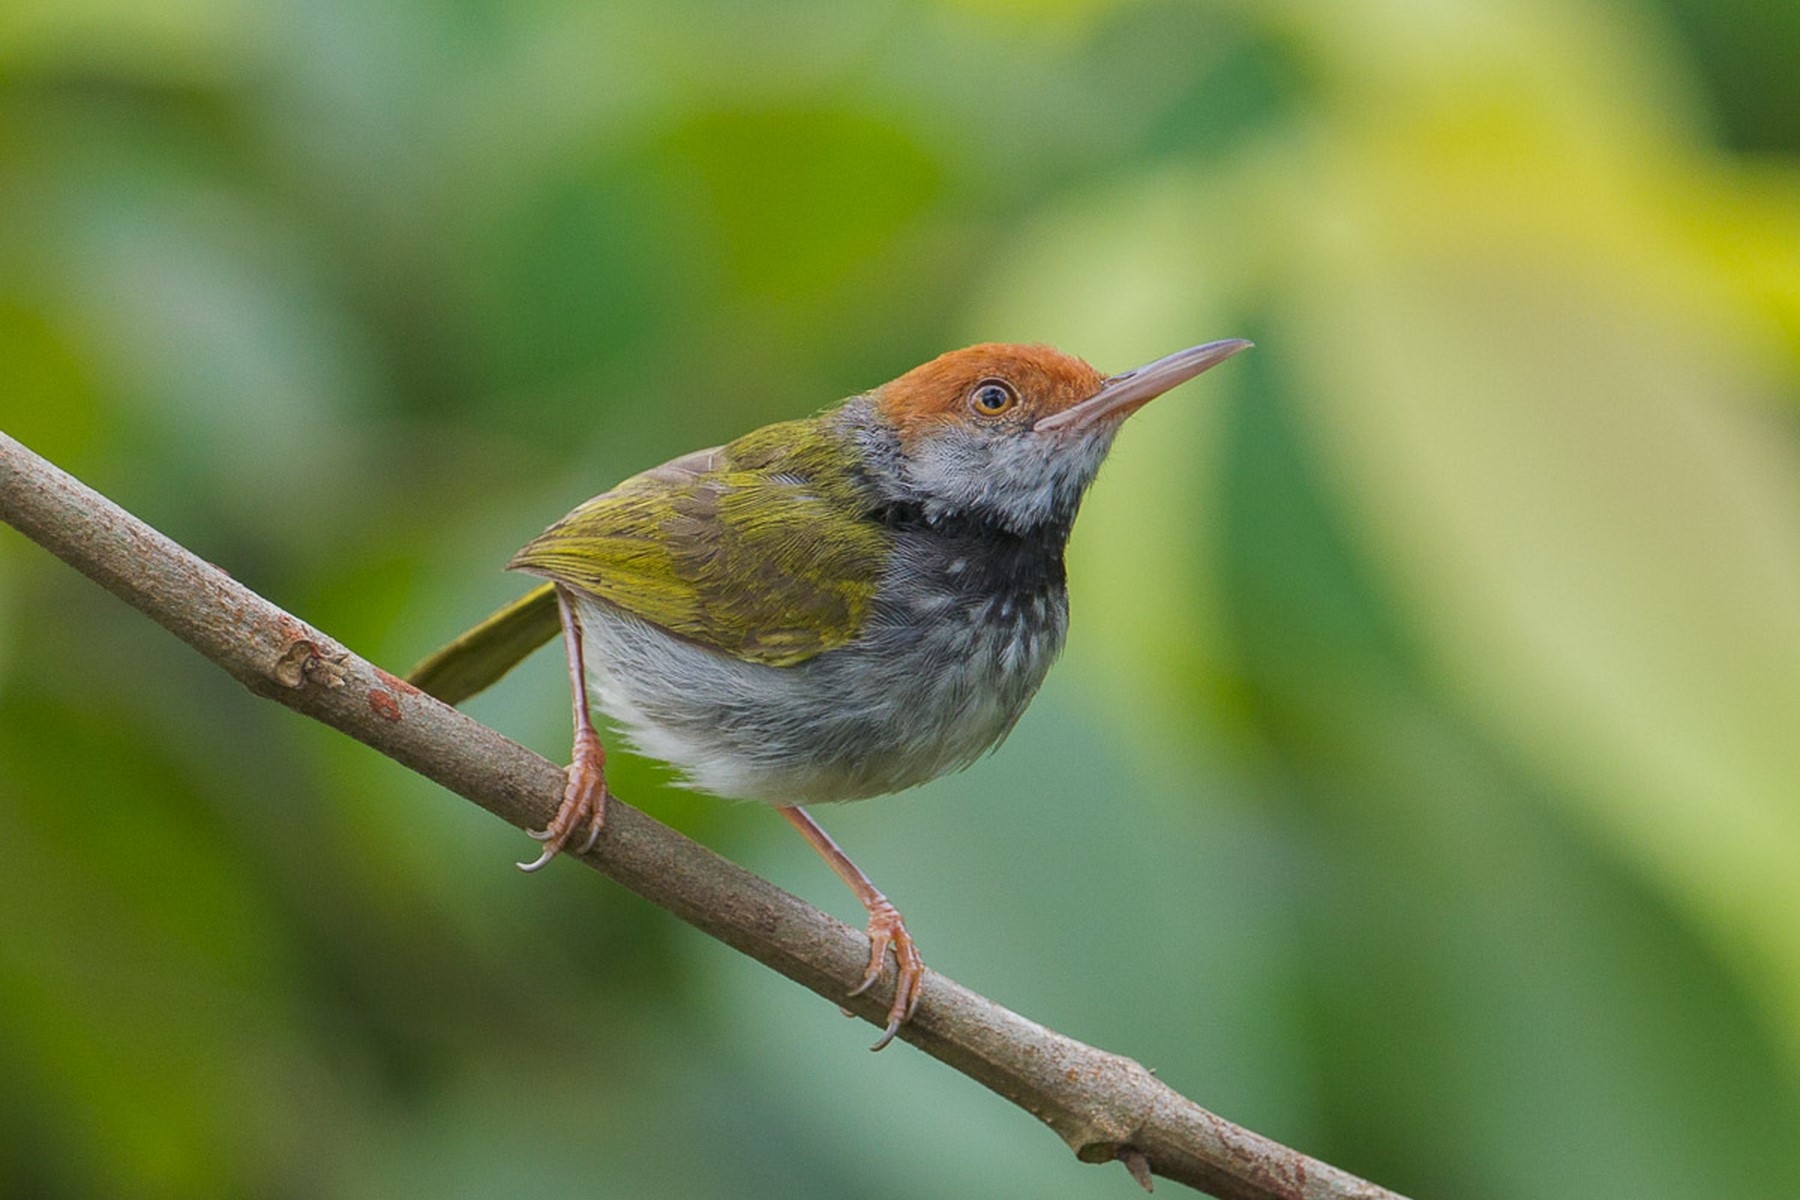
x,y
830,608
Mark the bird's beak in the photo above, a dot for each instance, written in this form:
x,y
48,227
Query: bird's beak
x,y
1124,394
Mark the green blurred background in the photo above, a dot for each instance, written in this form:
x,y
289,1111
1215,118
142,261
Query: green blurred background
x,y
1422,782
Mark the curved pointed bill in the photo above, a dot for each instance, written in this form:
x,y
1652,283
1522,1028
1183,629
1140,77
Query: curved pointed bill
x,y
1124,394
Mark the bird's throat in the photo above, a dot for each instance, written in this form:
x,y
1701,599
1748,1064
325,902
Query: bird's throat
x,y
977,558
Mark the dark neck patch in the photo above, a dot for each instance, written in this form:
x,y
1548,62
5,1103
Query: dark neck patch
x,y
972,553
980,557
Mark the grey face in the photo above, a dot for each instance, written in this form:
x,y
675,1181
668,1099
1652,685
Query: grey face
x,y
1020,481
1008,475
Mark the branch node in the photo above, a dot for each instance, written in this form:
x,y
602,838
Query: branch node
x,y
305,661
1118,1100
1138,1165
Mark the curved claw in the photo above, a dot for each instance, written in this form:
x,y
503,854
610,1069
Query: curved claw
x,y
918,990
583,805
595,824
541,861
879,940
887,928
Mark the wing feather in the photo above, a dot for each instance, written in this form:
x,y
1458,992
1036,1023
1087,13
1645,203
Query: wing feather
x,y
761,549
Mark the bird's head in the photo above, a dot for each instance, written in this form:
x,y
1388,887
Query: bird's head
x,y
1012,435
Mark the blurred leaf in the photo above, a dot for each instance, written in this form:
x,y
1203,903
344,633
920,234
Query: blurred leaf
x,y
165,41
799,197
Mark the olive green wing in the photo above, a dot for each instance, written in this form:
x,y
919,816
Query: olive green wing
x,y
759,550
491,649
476,660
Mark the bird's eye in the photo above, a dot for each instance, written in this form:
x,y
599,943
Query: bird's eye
x,y
991,397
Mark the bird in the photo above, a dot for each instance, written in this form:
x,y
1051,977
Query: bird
x,y
830,608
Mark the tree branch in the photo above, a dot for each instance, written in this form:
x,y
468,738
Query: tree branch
x,y
1104,1106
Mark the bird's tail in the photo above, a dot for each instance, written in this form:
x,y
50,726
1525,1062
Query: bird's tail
x,y
491,649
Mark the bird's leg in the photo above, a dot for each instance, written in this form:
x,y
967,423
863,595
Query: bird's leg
x,y
584,799
886,928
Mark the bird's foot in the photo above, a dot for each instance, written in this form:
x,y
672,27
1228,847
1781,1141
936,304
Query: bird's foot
x,y
583,805
887,928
